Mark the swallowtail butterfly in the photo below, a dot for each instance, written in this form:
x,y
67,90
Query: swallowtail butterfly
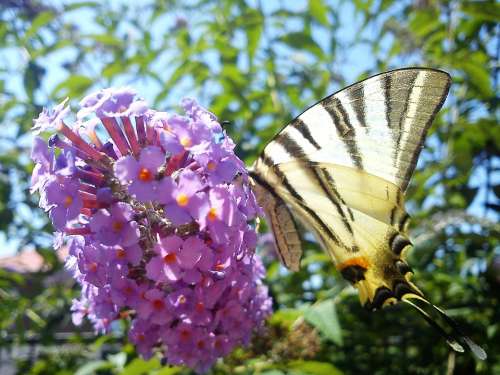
x,y
342,168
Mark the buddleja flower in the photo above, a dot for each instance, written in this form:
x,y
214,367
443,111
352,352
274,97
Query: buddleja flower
x,y
158,223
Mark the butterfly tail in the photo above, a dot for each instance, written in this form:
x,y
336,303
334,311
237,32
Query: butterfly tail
x,y
456,337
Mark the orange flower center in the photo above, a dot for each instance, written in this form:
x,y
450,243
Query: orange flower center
x,y
185,335
68,200
186,141
145,175
200,306
128,290
182,200
219,267
121,253
182,299
212,214
211,166
141,337
158,304
200,344
170,258
93,267
117,226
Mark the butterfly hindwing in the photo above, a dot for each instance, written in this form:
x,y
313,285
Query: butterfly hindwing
x,y
282,224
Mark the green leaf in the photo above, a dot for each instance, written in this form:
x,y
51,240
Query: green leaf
x,y
482,10
118,359
41,20
313,368
323,316
106,39
74,84
478,76
81,4
90,368
254,25
113,69
319,11
168,371
286,316
138,366
302,41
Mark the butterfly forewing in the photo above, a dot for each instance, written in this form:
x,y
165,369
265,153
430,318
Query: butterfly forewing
x,y
377,125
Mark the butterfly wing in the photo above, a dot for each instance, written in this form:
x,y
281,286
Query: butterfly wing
x,y
343,166
376,126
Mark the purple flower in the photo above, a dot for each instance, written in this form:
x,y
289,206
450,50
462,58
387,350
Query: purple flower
x,y
140,175
155,307
115,225
91,262
220,214
125,292
112,102
61,199
201,115
175,258
42,156
124,255
184,201
80,310
182,134
144,336
49,120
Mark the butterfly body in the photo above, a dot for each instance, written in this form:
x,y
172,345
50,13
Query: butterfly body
x,y
342,168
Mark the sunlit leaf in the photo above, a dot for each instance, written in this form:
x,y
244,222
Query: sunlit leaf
x,y
302,41
323,316
483,10
92,367
319,11
313,368
41,20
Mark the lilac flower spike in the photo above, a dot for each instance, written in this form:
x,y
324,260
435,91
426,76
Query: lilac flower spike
x,y
158,231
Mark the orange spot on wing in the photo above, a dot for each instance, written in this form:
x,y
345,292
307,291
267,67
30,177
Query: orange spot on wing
x,y
357,261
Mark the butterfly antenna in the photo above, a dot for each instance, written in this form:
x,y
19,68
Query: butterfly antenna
x,y
457,336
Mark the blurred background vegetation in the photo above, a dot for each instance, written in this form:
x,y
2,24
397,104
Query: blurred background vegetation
x,y
257,64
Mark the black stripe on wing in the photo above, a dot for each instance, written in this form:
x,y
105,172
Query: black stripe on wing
x,y
345,130
320,177
299,200
415,155
304,130
413,77
357,102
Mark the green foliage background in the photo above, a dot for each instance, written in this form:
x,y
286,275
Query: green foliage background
x,y
257,64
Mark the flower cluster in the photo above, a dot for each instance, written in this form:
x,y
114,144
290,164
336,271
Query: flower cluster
x,y
157,219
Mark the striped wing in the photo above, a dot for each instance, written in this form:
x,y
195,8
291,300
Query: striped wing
x,y
374,128
342,167
377,125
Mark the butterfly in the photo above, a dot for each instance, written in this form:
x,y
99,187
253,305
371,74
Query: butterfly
x,y
342,168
